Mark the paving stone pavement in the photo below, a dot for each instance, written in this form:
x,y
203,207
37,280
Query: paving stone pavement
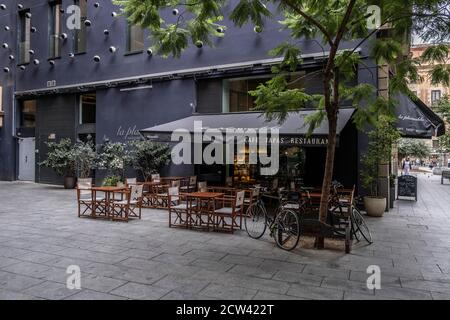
x,y
41,236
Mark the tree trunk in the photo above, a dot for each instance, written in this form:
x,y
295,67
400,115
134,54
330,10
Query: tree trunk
x,y
328,174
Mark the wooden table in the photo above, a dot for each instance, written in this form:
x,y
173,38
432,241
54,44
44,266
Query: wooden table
x,y
205,206
108,191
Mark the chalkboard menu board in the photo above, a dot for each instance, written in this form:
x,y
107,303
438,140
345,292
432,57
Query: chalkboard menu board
x,y
407,187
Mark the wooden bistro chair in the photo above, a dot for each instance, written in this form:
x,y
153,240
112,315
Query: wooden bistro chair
x,y
130,181
191,186
179,209
202,186
225,217
86,202
131,206
155,177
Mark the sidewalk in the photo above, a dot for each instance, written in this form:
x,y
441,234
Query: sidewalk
x,y
41,236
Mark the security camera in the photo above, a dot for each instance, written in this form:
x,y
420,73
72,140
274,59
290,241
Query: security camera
x,y
52,62
112,49
114,14
6,70
5,46
175,12
3,6
97,58
258,29
63,36
36,62
7,28
20,6
199,44
149,51
106,32
88,23
31,51
33,29
28,15
11,57
22,68
97,5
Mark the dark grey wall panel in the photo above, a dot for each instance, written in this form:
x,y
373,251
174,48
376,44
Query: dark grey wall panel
x,y
209,96
55,115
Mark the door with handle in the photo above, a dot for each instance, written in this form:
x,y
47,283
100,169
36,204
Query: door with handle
x,y
27,158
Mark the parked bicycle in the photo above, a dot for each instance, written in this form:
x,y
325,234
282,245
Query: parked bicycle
x,y
282,222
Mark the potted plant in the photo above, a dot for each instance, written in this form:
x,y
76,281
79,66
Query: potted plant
x,y
378,154
148,157
111,157
85,156
60,158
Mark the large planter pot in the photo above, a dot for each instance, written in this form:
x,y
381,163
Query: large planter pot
x,y
375,207
69,182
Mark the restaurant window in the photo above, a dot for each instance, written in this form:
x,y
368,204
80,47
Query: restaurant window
x,y
54,30
88,108
135,38
80,41
236,97
27,114
435,95
24,36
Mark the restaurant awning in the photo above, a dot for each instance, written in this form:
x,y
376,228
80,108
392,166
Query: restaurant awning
x,y
292,131
416,119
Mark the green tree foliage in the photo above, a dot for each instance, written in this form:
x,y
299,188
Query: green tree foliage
x,y
60,157
413,148
326,22
85,158
111,157
442,107
381,140
148,157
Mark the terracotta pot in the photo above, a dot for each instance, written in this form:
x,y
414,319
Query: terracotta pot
x,y
69,182
375,207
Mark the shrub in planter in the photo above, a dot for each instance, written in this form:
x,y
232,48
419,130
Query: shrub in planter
x,y
381,140
111,157
85,156
61,158
111,181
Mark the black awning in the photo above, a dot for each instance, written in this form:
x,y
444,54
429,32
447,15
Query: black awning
x,y
416,119
292,131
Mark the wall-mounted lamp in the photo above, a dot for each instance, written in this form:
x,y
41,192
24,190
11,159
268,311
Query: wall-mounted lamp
x,y
51,62
31,51
175,12
220,30
114,14
71,55
36,62
7,28
33,30
28,15
11,57
6,70
112,49
199,44
106,32
23,68
3,6
149,51
63,36
5,46
88,23
97,5
258,29
20,6
97,59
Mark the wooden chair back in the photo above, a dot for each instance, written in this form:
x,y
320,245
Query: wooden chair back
x,y
84,187
202,186
156,177
175,183
136,192
131,181
240,199
193,181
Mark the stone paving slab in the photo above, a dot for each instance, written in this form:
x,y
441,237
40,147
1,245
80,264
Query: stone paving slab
x,y
147,260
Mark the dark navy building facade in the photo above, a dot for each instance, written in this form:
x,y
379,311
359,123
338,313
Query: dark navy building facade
x,y
101,81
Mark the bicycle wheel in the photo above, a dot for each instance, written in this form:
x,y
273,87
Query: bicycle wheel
x,y
360,225
286,230
255,221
